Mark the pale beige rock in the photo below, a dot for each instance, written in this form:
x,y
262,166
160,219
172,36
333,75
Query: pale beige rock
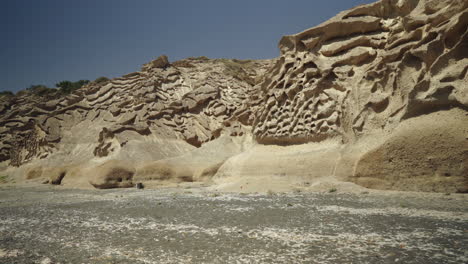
x,y
343,77
420,155
161,112
358,76
365,97
112,174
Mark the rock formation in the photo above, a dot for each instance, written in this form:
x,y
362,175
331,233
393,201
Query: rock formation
x,y
361,77
366,69
377,95
162,111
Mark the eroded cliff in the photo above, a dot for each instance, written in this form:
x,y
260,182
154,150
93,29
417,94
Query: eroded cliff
x,y
377,95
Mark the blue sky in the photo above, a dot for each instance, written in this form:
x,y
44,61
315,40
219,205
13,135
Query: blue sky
x,y
47,41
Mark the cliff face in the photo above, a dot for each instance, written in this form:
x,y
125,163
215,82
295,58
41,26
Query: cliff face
x,y
366,69
362,74
162,111
186,100
377,95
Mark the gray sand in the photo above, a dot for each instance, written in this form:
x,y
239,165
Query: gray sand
x,y
54,225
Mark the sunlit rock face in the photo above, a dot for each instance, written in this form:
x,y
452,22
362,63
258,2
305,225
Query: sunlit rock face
x,y
377,95
187,100
367,68
389,81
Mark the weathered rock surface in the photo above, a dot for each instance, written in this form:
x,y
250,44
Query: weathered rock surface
x,y
421,155
377,95
367,75
163,111
366,69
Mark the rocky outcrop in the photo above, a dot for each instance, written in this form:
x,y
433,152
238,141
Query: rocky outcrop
x,y
366,69
421,155
163,111
377,95
113,174
188,100
359,79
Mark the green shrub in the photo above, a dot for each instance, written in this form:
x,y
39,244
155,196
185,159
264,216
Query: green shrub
x,y
203,58
22,92
242,61
6,93
41,90
183,64
64,87
67,87
101,79
3,178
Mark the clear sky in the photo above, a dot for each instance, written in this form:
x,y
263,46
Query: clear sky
x,y
47,41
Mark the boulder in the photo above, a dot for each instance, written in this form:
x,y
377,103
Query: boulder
x,y
112,174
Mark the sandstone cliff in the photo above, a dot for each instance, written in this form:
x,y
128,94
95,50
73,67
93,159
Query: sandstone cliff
x,y
377,95
162,111
364,75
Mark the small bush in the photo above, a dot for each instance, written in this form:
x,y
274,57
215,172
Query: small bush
x,y
41,90
67,87
203,58
3,178
101,79
183,64
64,87
6,93
332,190
242,61
21,93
